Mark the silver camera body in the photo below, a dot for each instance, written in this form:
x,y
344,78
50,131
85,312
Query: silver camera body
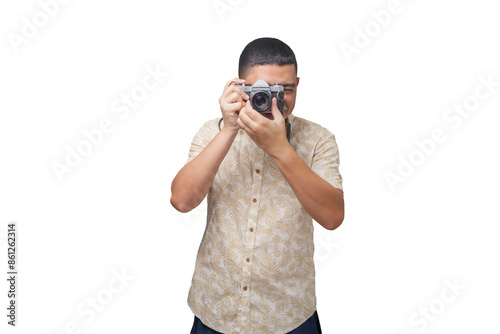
x,y
261,95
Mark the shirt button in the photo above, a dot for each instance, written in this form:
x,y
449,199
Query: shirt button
x,y
257,171
248,259
245,288
251,229
254,200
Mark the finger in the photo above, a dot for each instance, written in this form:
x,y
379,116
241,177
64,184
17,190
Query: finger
x,y
234,86
235,80
245,127
275,110
240,123
244,95
246,119
234,97
251,112
231,86
233,107
231,103
234,90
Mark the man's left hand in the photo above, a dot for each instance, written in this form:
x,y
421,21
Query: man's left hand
x,y
268,134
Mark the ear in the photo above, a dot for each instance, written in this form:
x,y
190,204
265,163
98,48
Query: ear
x,y
297,83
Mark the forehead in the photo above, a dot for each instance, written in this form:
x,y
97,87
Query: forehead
x,y
272,74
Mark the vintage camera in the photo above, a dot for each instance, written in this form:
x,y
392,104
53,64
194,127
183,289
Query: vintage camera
x,y
261,95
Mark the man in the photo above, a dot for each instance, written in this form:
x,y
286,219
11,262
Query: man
x,y
255,270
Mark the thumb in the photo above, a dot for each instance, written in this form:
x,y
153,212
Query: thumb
x,y
275,110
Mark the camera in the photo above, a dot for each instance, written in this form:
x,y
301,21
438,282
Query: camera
x,y
261,95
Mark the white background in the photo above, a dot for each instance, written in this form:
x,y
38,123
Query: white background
x,y
396,249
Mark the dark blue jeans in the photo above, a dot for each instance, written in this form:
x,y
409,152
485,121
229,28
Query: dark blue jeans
x,y
311,326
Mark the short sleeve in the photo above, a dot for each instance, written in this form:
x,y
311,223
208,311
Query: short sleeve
x,y
202,138
326,160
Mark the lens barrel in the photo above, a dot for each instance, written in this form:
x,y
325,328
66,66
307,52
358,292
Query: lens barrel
x,y
261,101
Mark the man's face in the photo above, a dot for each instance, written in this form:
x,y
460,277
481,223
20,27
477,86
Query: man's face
x,y
277,74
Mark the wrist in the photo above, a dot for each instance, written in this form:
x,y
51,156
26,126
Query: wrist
x,y
282,152
230,132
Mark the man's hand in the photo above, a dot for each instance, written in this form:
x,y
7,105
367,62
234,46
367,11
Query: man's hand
x,y
231,102
268,134
192,183
321,200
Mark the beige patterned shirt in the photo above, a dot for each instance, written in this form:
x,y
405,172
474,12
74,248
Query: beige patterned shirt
x,y
254,271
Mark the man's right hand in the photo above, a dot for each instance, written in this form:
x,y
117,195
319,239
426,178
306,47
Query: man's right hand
x,y
193,181
231,102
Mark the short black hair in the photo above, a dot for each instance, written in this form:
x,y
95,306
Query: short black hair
x,y
265,51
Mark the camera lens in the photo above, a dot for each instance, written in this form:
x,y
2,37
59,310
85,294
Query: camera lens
x,y
261,102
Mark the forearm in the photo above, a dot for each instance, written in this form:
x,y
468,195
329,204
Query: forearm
x,y
192,183
321,200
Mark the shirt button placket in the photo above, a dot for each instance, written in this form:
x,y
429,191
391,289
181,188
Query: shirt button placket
x,y
251,236
254,204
